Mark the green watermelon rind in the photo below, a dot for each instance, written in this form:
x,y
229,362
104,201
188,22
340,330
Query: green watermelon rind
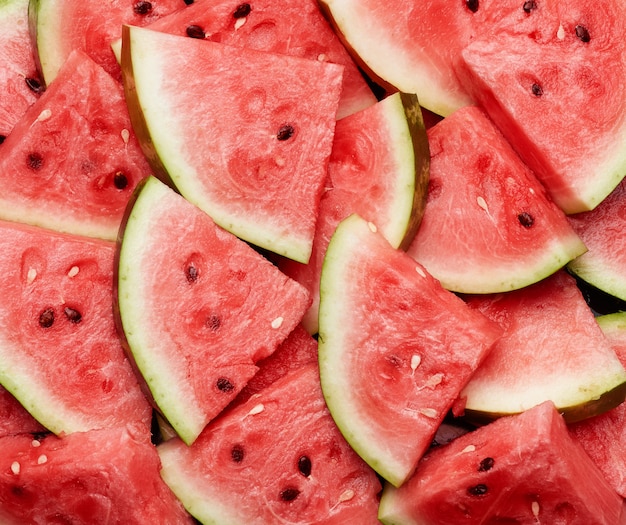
x,y
46,29
592,268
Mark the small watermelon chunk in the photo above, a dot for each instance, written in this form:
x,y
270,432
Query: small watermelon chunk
x,y
98,477
72,161
552,349
20,84
291,27
249,144
519,469
395,348
278,458
488,225
60,355
230,306
379,169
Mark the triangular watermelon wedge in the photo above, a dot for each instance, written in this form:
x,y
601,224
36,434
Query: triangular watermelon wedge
x,y
197,306
247,140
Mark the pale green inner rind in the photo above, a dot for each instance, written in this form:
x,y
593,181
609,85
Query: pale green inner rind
x,y
165,381
49,29
591,268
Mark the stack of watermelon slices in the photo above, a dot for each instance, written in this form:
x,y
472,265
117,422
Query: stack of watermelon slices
x,y
164,375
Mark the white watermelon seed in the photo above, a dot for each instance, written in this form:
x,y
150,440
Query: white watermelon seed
x,y
15,468
434,380
468,448
240,22
560,34
416,359
372,227
44,115
322,57
278,322
35,443
125,135
428,412
31,275
42,459
73,271
421,272
346,495
482,203
535,508
257,409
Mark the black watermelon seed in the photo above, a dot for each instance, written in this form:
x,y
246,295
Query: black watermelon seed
x,y
304,466
142,8
242,10
73,315
194,31
486,464
582,33
213,322
285,132
46,318
188,2
2,138
529,6
526,219
478,490
34,161
224,385
191,273
120,180
35,85
536,89
289,494
472,5
237,453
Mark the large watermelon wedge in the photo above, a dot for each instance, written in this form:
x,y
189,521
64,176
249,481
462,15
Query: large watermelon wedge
x,y
72,161
242,471
233,307
522,469
488,224
249,145
395,348
59,351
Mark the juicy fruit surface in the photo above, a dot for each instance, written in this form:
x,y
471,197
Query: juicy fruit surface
x,y
233,306
60,353
488,226
313,478
395,348
498,474
285,106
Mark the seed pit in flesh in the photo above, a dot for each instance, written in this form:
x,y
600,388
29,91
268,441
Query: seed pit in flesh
x,y
237,454
34,161
224,385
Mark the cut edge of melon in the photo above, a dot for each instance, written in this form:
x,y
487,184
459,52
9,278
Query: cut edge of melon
x,y
590,268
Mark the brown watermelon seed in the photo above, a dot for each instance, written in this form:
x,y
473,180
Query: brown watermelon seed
x,y
213,322
35,85
536,89
289,494
46,318
529,6
582,33
237,453
142,8
526,219
478,490
486,464
194,31
120,180
74,316
304,466
285,132
472,5
224,385
242,10
191,273
188,2
34,161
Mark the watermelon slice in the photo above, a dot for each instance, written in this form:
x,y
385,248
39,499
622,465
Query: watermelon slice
x,y
395,348
72,161
292,27
99,477
519,469
552,349
59,352
379,169
249,145
548,88
488,225
233,306
241,471
20,84
61,26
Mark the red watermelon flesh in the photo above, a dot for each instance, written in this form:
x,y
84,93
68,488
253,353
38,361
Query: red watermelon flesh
x,y
548,88
108,476
604,437
552,349
14,418
242,470
522,469
19,80
286,26
60,27
488,225
72,161
59,351
232,306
